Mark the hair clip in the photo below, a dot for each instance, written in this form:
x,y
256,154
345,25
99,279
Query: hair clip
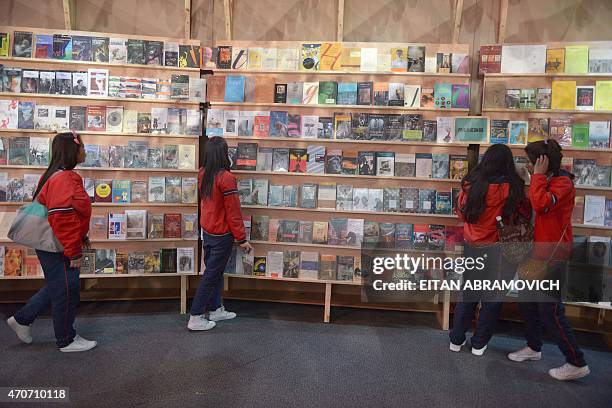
x,y
75,138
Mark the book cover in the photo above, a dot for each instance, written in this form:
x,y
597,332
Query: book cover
x,y
342,125
190,56
527,98
310,57
583,170
350,59
280,159
580,135
576,59
135,51
412,96
316,159
443,63
399,59
585,98
327,195
424,165
366,162
328,92
81,48
325,129
381,93
409,200
458,166
594,210
344,197
234,88
304,93
121,191
538,129
368,60
371,234
443,93
274,264
386,237
405,165
173,189
172,225
280,93
278,124
445,129
563,95
385,163
555,60
364,93
599,134
443,202
471,129
518,130
561,130
377,125
440,166
543,98
330,56
224,58
513,98
62,46
499,131
305,232
97,80
416,59
460,96
287,59
347,93
391,199
427,201
394,127
349,162
396,94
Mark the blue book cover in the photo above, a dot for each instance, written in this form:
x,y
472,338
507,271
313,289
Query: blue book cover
x,y
62,47
234,89
347,93
499,131
443,94
472,129
278,124
599,134
44,46
403,236
121,191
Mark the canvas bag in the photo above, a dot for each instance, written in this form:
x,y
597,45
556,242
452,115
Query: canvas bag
x,y
31,227
516,240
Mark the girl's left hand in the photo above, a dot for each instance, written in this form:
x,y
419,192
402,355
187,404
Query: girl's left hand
x,y
75,263
541,165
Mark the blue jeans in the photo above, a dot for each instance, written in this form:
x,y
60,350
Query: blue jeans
x,y
217,251
61,292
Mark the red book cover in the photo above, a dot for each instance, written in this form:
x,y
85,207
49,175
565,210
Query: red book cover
x,y
172,225
297,160
13,262
261,126
454,237
490,59
419,236
561,130
215,88
578,212
96,118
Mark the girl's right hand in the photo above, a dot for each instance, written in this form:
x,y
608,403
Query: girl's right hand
x,y
246,247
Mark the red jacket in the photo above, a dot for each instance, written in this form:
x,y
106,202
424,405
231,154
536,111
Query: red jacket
x,y
485,230
552,199
69,210
221,213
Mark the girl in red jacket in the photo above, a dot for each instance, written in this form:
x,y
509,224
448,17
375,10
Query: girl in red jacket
x,y
222,224
552,194
61,191
492,189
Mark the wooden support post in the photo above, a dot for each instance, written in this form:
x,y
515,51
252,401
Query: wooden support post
x,y
226,282
446,310
601,317
188,19
228,9
457,25
327,308
503,15
184,287
69,15
340,27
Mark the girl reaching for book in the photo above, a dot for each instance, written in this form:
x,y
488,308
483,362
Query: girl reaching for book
x,y
61,191
492,189
222,225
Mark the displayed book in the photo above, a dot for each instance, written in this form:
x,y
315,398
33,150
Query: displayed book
x,y
460,96
523,59
538,129
518,131
443,93
97,80
471,129
543,98
563,95
555,60
594,210
603,95
599,134
600,60
576,59
561,131
585,97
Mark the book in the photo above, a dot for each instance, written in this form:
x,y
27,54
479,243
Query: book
x,y
403,236
538,129
561,130
294,125
371,234
443,63
440,166
364,93
585,97
518,131
423,165
316,159
309,125
513,98
412,96
304,93
224,57
399,59
328,92
543,98
499,131
344,197
594,210
460,96
583,170
555,60
333,161
347,93
278,124
298,159
280,159
264,159
385,163
260,228
280,93
375,199
173,189
405,165
416,59
443,202
580,135
310,57
259,192
445,129
391,198
105,261
172,225
325,129
287,59
327,195
117,226
527,98
157,190
121,191
135,51
97,80
246,156
396,94
458,167
471,129
576,59
603,93
62,46
393,127
427,201
523,59
4,52
168,258
563,95
599,134
368,60
349,162
381,93
342,125
274,264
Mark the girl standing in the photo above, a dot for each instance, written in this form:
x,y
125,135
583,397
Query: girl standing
x,y
61,191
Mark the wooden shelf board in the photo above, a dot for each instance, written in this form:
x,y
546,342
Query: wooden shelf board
x,y
559,74
335,211
587,304
362,73
338,300
298,280
326,246
105,275
92,98
572,111
19,204
125,169
100,241
347,176
98,64
565,148
599,227
338,107
348,141
140,135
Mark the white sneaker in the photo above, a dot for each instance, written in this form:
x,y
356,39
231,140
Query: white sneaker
x,y
199,323
23,332
525,354
456,347
478,352
569,372
79,344
221,314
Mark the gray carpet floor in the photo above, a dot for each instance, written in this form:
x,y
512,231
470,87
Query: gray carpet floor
x,y
281,355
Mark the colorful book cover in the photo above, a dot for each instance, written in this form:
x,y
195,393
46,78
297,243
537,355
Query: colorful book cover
x,y
328,92
585,98
472,129
538,129
580,135
576,59
490,59
603,95
599,134
43,46
563,95
347,93
561,131
330,57
278,124
443,93
518,130
310,57
499,131
461,96
527,98
555,60
399,59
121,191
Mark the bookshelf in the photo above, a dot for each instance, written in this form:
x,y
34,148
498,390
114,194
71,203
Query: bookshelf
x,y
326,292
98,286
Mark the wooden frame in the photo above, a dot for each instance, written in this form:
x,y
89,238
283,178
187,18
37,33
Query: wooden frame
x,y
69,14
228,8
458,11
340,22
187,19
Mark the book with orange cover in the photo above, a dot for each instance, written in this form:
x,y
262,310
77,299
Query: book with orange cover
x,y
215,88
330,57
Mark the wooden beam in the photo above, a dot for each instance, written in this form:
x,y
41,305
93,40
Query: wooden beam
x,y
228,8
457,24
188,19
340,27
503,15
69,14
327,304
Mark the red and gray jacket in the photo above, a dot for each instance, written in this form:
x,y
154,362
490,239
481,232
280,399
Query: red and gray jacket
x,y
552,199
220,213
69,210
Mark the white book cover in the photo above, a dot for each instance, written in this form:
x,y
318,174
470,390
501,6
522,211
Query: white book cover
x,y
30,182
446,129
354,236
114,119
159,121
310,93
523,59
412,96
383,62
6,220
194,122
274,264
80,83
254,58
287,59
369,59
187,157
9,114
360,199
594,210
230,123
260,192
431,64
268,59
309,265
116,226
60,118
117,51
43,117
39,151
197,89
97,80
185,260
375,199
310,124
246,120
600,60
136,224
157,189
215,122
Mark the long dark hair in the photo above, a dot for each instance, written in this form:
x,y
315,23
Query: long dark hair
x,y
216,159
496,165
549,148
64,156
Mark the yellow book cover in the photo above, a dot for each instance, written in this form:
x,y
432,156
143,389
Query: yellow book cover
x,y
555,60
603,95
576,59
399,59
254,60
331,54
351,59
563,95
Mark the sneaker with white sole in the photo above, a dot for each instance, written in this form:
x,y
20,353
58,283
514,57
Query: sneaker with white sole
x,y
22,331
199,323
525,354
79,344
478,352
456,347
569,372
221,314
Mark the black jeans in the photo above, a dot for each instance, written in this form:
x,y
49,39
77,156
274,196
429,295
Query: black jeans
x,y
217,250
61,292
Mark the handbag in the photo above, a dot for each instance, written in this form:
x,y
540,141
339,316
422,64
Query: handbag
x,y
516,240
536,269
31,228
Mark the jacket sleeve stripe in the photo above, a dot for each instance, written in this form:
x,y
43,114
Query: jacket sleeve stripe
x,y
60,209
230,192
